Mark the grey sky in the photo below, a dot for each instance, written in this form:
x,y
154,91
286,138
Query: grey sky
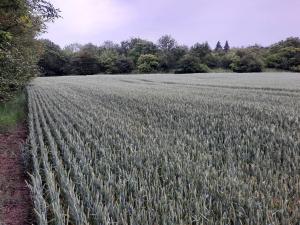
x,y
241,22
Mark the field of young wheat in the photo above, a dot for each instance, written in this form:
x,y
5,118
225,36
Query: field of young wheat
x,y
165,149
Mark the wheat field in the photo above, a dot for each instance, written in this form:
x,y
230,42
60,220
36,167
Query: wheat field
x,y
165,149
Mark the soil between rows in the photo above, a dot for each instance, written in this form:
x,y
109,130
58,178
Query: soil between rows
x,y
15,200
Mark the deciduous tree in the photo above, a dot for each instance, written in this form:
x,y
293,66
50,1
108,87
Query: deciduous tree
x,y
20,23
148,63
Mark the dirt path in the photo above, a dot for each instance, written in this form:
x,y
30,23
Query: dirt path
x,y
15,201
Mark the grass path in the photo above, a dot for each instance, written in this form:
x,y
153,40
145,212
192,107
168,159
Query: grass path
x,y
15,201
12,113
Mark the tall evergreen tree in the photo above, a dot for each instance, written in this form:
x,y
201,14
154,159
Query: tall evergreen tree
x,y
226,47
218,47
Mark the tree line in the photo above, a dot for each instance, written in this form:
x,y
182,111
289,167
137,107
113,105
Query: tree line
x,y
23,56
142,56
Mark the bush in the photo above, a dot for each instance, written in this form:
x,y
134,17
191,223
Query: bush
x,y
16,69
200,50
113,63
287,58
85,64
139,47
246,62
21,22
148,63
124,65
203,68
169,60
213,60
191,64
108,60
295,69
228,59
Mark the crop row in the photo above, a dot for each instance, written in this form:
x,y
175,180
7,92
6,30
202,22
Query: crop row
x,y
109,153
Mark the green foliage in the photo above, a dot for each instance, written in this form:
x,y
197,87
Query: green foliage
x,y
53,61
148,63
284,55
197,60
213,60
295,68
84,64
286,58
124,64
113,63
72,49
220,59
16,68
191,64
20,22
289,42
167,53
139,47
112,58
108,60
228,59
169,59
179,51
5,37
166,43
203,68
200,50
246,61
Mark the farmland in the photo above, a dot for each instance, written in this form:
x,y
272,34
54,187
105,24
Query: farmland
x,y
165,149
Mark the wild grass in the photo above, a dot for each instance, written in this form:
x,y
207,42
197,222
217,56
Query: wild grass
x,y
12,112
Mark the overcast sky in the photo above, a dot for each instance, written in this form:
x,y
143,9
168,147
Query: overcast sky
x,y
241,22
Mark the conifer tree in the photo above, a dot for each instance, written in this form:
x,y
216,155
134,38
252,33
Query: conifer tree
x,y
226,47
218,47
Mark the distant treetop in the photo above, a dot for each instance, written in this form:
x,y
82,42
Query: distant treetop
x,y
226,47
218,47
